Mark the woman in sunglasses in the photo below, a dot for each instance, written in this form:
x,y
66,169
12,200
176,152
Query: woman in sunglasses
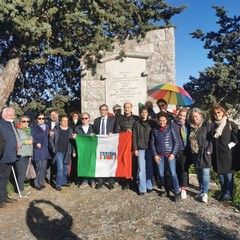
x,y
85,128
40,132
25,151
225,138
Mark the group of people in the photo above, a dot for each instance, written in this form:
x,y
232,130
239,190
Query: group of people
x,y
164,145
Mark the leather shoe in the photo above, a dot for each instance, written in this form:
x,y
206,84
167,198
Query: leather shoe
x,y
98,186
2,205
10,200
67,185
111,186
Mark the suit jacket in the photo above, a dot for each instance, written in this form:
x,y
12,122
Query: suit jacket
x,y
109,127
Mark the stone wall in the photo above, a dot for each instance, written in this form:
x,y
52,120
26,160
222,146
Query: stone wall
x,y
157,49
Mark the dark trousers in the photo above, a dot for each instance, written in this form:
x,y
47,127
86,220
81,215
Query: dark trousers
x,y
102,180
182,168
5,170
21,167
73,173
40,168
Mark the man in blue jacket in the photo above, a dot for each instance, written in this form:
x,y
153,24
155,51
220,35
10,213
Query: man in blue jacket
x,y
9,155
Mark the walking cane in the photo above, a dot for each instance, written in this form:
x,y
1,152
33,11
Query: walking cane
x,y
14,175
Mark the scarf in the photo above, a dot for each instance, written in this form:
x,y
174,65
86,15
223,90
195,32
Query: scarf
x,y
220,126
43,126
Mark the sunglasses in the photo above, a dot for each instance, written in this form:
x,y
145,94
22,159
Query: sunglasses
x,y
84,118
41,118
25,121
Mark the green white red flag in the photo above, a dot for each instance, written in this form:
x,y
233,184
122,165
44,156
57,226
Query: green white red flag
x,y
105,156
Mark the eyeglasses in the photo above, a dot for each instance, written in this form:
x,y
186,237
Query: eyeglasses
x,y
215,113
161,105
41,118
25,121
84,118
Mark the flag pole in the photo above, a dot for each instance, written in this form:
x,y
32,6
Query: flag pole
x,y
14,175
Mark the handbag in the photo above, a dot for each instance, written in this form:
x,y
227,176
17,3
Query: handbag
x,y
30,173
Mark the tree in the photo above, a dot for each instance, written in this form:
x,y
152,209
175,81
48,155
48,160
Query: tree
x,y
51,39
221,82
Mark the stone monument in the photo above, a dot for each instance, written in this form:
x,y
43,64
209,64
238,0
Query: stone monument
x,y
145,64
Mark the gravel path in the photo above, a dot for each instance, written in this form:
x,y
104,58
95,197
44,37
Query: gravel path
x,y
103,214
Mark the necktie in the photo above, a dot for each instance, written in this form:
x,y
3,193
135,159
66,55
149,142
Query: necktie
x,y
103,127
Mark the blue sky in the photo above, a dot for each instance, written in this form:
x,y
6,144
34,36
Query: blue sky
x,y
191,57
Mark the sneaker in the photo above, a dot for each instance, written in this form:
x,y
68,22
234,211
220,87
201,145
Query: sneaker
x,y
199,195
204,197
84,185
59,188
183,194
23,193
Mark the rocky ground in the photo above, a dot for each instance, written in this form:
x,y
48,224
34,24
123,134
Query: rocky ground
x,y
88,213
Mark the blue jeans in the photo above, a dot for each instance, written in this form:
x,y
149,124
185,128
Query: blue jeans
x,y
62,170
143,183
203,175
171,165
227,182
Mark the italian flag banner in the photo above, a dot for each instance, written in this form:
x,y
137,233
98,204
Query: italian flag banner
x,y
105,156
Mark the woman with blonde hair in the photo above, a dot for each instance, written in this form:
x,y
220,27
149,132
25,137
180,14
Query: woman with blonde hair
x,y
224,137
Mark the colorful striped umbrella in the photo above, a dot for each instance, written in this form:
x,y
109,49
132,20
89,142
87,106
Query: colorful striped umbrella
x,y
172,94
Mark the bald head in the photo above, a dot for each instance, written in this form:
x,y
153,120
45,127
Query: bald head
x,y
8,114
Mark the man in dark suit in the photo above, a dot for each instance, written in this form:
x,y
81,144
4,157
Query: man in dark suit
x,y
8,156
104,125
51,167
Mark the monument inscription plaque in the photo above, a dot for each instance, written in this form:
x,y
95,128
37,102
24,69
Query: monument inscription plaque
x,y
125,82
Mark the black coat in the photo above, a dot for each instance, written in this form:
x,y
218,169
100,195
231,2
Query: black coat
x,y
204,141
9,154
79,130
223,158
141,134
110,125
53,144
123,123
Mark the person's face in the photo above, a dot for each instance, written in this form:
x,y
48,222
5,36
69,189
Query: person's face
x,y
162,121
41,119
128,109
54,116
85,119
25,122
117,111
162,106
218,114
144,114
103,111
196,118
182,117
9,115
64,122
75,116
149,104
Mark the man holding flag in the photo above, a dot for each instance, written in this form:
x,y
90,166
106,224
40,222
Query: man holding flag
x,y
104,125
124,123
